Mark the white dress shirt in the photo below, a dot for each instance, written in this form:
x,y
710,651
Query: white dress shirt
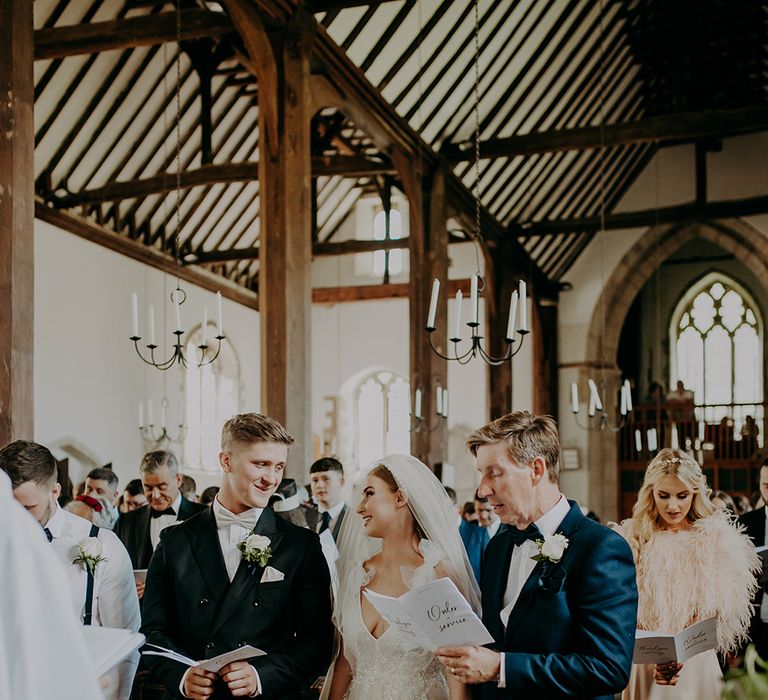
x,y
233,529
158,524
521,566
115,603
493,528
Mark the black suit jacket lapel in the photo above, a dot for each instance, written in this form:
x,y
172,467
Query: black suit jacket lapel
x,y
568,527
144,548
206,550
247,576
185,509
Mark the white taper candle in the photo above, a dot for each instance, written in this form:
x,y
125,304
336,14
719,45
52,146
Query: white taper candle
x,y
523,287
512,314
134,315
457,328
473,297
433,305
417,404
574,397
220,314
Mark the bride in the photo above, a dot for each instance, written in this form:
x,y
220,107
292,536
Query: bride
x,y
404,536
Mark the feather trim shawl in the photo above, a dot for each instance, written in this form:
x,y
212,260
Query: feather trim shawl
x,y
690,575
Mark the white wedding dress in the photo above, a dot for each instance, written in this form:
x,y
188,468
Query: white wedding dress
x,y
391,667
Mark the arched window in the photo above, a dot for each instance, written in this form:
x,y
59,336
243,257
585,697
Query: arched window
x,y
382,415
717,343
212,395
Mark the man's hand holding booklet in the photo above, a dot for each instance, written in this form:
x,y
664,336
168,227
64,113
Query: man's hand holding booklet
x,y
434,615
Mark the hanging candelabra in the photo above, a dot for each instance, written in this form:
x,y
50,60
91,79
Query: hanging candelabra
x,y
159,435
178,297
598,417
419,422
475,349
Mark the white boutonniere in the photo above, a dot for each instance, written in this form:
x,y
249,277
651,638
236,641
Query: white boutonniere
x,y
90,553
255,549
551,548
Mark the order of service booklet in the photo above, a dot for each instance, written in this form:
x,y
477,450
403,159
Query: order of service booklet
x,y
435,614
214,664
661,648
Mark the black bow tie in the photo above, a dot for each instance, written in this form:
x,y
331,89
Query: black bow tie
x,y
48,534
157,513
532,532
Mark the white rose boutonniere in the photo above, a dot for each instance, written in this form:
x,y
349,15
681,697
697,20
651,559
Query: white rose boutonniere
x,y
89,553
255,549
551,548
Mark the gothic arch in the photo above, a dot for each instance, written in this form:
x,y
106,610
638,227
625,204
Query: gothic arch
x,y
750,247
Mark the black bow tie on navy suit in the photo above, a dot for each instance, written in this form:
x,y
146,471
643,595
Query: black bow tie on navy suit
x,y
532,533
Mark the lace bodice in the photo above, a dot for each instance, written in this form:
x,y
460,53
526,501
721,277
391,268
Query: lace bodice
x,y
391,667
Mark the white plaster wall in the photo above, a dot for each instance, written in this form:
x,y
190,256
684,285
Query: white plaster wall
x,y
738,171
88,380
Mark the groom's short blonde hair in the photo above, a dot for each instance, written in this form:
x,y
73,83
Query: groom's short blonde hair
x,y
247,428
526,436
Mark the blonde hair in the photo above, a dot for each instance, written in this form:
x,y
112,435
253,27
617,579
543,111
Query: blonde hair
x,y
526,436
645,516
247,428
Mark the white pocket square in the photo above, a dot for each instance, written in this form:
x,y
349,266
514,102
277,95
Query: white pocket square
x,y
271,574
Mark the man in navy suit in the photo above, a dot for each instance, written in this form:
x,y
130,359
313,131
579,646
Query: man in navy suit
x,y
559,593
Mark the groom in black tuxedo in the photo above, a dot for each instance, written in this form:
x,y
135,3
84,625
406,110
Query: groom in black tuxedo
x,y
558,590
203,598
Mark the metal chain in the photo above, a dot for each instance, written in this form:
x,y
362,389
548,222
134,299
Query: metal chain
x,y
177,252
477,119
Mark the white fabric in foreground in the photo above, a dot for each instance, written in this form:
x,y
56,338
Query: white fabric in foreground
x,y
42,651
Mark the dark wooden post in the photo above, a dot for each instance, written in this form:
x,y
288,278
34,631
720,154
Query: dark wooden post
x,y
17,205
285,239
500,283
428,240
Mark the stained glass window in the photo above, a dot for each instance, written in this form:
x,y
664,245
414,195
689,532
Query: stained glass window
x,y
717,340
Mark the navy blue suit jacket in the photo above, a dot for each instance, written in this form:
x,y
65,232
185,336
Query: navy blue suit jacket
x,y
475,539
571,633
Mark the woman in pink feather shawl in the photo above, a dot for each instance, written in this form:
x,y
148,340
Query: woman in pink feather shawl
x,y
693,563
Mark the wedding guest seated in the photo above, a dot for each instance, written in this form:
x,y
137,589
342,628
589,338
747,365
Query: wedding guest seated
x,y
207,496
99,577
133,496
102,483
189,488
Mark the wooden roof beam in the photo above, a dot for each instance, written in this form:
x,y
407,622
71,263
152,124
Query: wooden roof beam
x,y
165,182
349,247
686,126
334,5
158,28
680,213
350,166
